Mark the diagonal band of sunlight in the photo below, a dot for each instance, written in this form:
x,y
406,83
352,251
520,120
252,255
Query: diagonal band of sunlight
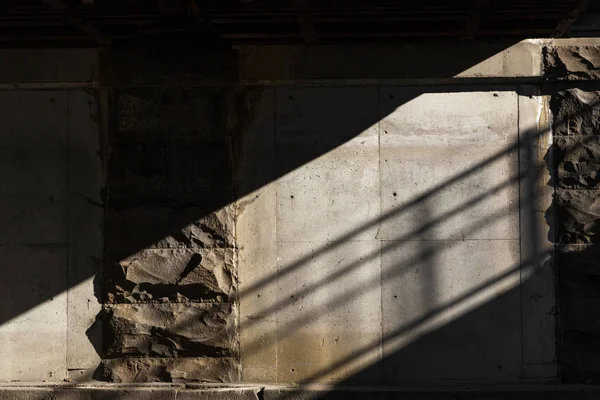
x,y
398,270
528,135
404,238
531,134
496,280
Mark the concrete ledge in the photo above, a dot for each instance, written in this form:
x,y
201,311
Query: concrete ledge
x,y
531,60
271,392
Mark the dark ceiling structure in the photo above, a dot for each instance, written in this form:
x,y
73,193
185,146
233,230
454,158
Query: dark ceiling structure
x,y
83,23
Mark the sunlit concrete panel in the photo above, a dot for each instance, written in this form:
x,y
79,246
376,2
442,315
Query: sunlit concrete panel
x,y
451,310
327,153
449,166
257,242
33,303
86,218
329,307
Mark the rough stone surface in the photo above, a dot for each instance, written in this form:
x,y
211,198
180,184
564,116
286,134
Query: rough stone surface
x,y
131,230
578,213
173,275
170,237
578,160
572,62
170,330
575,112
576,115
139,370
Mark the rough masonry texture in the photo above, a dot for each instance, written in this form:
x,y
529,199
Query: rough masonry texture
x,y
170,272
576,168
577,198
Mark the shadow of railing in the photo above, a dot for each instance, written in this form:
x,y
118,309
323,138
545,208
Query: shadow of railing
x,y
528,180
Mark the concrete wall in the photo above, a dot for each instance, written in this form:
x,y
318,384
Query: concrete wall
x,y
388,250
52,218
213,220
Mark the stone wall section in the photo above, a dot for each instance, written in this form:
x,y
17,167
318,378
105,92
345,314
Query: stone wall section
x,y
170,274
576,167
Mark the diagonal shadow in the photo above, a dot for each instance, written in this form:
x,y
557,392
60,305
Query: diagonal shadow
x,y
166,176
521,178
528,179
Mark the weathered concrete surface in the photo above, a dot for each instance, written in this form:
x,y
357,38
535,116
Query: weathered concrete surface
x,y
402,62
536,229
258,255
50,68
429,287
395,231
51,236
433,137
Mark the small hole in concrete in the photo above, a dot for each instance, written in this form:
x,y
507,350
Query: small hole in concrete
x,y
258,295
292,196
292,369
395,296
394,194
495,94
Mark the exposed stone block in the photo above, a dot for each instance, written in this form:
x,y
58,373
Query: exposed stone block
x,y
170,330
578,162
140,370
576,112
161,275
131,230
578,214
572,62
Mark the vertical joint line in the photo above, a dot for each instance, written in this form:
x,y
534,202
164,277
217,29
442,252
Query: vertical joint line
x,y
68,230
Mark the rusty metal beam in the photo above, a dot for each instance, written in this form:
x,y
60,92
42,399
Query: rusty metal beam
x,y
567,22
83,26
